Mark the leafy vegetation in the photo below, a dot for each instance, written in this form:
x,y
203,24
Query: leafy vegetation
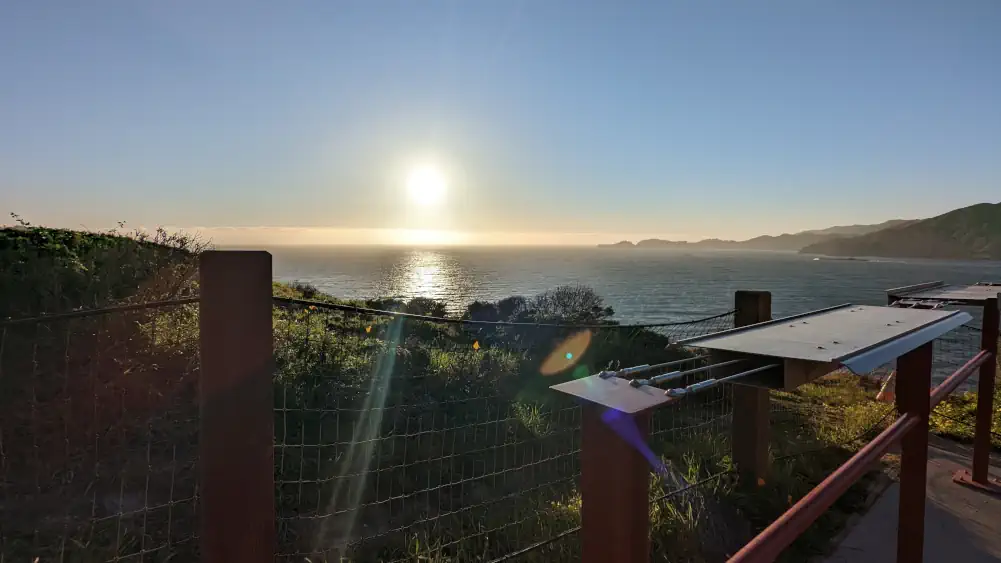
x,y
45,270
955,417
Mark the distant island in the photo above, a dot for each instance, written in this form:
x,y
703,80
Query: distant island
x,y
788,242
969,233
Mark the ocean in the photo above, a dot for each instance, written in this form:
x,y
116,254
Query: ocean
x,y
641,285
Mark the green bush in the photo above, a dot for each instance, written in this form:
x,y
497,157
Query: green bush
x,y
45,271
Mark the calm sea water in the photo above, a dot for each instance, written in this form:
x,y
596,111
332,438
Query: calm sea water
x,y
642,285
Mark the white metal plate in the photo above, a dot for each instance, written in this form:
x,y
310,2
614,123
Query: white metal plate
x,y
827,336
959,293
615,393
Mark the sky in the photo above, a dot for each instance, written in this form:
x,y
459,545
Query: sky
x,y
541,122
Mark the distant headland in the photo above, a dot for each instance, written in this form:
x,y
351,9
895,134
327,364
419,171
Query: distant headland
x,y
969,233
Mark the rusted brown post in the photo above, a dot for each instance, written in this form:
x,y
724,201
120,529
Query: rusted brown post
x,y
913,384
750,426
237,427
985,394
615,485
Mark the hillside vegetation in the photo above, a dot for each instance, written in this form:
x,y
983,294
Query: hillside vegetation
x,y
970,233
45,270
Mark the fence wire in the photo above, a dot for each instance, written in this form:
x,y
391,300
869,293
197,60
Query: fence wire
x,y
99,435
399,438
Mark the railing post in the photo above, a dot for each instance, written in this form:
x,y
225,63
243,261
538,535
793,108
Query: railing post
x,y
236,441
913,384
615,488
980,477
985,394
750,426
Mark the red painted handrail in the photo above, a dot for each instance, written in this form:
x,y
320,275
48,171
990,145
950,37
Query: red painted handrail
x,y
960,375
767,545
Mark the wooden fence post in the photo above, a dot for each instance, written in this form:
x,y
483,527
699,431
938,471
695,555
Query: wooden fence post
x,y
750,428
236,441
615,487
913,384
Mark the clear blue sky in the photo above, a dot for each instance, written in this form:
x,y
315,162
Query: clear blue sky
x,y
685,119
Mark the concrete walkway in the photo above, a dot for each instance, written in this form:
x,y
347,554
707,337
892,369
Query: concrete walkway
x,y
961,524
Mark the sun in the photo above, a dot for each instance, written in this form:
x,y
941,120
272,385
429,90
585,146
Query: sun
x,y
426,185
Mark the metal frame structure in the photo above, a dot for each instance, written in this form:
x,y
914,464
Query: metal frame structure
x,y
932,295
783,353
615,475
936,294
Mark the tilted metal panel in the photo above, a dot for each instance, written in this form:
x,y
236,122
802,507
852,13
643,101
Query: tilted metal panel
x,y
834,335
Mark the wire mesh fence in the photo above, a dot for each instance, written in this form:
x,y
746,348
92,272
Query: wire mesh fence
x,y
957,414
401,437
98,436
692,438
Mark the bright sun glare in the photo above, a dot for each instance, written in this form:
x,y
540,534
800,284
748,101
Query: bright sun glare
x,y
426,186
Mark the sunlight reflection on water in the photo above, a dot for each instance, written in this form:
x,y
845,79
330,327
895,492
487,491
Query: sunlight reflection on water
x,y
642,286
428,273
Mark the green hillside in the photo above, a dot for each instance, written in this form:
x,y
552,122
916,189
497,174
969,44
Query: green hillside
x,y
45,270
971,233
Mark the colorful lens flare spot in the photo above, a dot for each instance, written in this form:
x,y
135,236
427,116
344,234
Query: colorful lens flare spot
x,y
566,354
476,345
625,426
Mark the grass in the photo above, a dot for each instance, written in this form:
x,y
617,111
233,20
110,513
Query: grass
x,y
395,440
955,417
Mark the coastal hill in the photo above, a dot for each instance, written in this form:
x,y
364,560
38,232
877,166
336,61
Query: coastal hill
x,y
791,242
972,233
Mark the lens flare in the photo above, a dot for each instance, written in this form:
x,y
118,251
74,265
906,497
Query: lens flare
x,y
567,353
625,426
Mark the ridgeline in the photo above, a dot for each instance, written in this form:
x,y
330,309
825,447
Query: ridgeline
x,y
970,233
785,242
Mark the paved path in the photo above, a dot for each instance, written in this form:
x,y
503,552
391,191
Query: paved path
x,y
961,524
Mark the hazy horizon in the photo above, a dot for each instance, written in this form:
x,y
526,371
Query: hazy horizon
x,y
496,122
301,236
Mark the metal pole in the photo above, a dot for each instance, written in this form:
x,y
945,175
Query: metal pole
x,y
913,385
710,383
